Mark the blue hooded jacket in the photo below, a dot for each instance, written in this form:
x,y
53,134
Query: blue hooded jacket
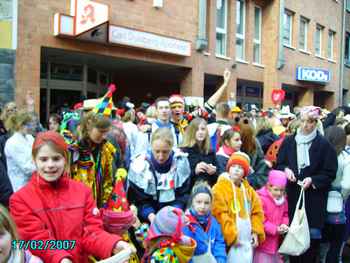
x,y
202,236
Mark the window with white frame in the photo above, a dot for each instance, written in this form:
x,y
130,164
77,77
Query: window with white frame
x,y
347,49
257,35
348,5
330,48
240,29
287,28
318,40
303,31
221,27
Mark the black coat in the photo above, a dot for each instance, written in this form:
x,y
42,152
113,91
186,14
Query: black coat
x,y
266,138
5,186
195,157
323,168
221,163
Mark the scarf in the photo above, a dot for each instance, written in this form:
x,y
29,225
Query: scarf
x,y
228,150
280,201
303,145
161,124
201,219
277,202
164,167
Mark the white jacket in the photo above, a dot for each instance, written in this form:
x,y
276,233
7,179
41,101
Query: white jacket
x,y
18,152
342,180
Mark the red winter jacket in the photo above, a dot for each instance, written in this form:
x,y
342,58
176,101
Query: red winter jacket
x,y
61,210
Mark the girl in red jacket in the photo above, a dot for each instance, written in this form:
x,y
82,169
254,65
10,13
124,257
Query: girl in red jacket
x,y
276,221
56,216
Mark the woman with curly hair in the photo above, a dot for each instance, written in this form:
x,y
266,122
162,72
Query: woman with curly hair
x,y
93,157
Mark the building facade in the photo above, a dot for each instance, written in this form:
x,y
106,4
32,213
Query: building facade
x,y
345,63
155,47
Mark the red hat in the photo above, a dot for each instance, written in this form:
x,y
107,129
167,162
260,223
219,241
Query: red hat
x,y
241,159
53,137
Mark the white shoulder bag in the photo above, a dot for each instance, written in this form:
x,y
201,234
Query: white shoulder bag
x,y
297,240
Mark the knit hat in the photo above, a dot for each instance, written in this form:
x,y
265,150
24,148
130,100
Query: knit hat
x,y
176,99
241,159
168,222
53,137
199,188
105,105
277,178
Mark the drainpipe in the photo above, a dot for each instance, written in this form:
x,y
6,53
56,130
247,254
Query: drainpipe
x,y
281,60
202,40
341,61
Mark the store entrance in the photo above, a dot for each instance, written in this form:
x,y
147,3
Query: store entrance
x,y
68,77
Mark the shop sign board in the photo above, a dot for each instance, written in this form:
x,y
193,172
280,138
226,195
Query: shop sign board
x,y
140,39
88,14
313,74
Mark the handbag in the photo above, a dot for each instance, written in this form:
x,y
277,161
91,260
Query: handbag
x,y
297,240
334,202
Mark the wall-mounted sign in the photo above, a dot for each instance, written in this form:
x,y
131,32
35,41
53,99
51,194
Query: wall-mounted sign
x,y
252,91
85,15
313,74
88,14
134,38
88,20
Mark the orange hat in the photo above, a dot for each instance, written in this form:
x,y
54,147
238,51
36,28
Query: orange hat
x,y
241,159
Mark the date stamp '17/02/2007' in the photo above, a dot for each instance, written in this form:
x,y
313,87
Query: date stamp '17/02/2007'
x,y
43,244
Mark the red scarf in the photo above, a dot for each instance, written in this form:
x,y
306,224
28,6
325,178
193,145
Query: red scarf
x,y
228,150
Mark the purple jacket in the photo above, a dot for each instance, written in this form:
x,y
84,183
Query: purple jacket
x,y
275,215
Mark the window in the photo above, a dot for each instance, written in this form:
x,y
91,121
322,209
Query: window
x,y
288,28
221,27
92,76
348,5
330,50
303,34
43,70
318,40
240,26
66,72
347,49
257,35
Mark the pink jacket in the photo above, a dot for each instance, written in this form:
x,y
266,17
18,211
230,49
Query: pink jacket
x,y
275,215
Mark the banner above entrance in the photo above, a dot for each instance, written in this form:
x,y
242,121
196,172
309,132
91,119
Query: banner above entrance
x,y
134,38
313,74
88,20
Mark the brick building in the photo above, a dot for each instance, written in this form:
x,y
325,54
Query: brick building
x,y
154,47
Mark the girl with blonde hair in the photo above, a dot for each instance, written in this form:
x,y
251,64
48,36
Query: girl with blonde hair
x,y
11,250
18,149
159,178
202,160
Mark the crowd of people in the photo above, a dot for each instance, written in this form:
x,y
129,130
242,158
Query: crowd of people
x,y
215,183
